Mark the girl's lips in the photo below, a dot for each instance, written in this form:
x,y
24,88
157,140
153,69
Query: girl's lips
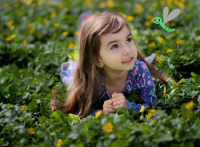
x,y
128,61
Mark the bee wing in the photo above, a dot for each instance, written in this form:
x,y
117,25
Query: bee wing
x,y
171,16
165,13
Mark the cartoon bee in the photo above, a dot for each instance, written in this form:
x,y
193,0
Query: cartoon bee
x,y
172,15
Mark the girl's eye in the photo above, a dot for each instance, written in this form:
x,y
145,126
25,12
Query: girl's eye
x,y
130,39
115,45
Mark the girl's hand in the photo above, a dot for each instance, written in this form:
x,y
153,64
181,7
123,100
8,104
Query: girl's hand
x,y
108,107
119,101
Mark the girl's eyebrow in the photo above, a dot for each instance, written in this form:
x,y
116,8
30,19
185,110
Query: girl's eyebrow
x,y
117,40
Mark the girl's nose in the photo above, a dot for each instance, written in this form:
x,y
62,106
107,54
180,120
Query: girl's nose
x,y
127,50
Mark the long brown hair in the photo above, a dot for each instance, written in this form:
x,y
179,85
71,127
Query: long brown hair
x,y
83,92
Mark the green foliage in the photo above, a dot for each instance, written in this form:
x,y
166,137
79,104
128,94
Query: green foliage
x,y
37,36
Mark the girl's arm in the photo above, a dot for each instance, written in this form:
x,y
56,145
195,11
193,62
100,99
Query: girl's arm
x,y
147,89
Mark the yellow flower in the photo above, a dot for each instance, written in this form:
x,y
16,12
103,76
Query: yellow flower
x,y
190,116
20,13
176,83
39,36
108,127
6,5
175,1
77,33
148,116
149,16
10,23
71,45
181,81
56,24
31,131
189,105
90,137
35,79
152,44
30,25
98,114
65,33
130,18
59,143
147,23
197,38
152,111
160,38
169,50
102,5
53,15
139,9
181,5
24,107
34,4
7,39
60,6
142,109
31,31
168,132
89,2
48,3
198,51
28,2
173,24
11,27
24,41
158,59
162,2
45,20
110,3
169,2
66,9
146,41
40,2
155,4
10,37
164,92
179,41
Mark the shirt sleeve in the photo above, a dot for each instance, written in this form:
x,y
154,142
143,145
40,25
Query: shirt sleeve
x,y
147,89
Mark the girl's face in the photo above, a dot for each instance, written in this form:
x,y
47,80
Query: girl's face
x,y
115,49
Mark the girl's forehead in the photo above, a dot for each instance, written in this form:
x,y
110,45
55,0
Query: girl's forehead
x,y
113,36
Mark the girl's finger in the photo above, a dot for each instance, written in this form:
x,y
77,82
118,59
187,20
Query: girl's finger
x,y
115,94
111,110
116,103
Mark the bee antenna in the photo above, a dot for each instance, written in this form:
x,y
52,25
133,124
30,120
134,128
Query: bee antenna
x,y
156,13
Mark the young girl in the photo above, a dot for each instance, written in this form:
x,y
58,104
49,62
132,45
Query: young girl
x,y
108,66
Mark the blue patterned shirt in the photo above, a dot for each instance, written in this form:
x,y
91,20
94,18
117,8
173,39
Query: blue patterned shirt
x,y
139,81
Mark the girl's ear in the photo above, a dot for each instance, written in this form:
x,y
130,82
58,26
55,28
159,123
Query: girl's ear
x,y
98,62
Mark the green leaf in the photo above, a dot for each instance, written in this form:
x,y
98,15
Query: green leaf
x,y
163,137
7,88
193,74
43,119
32,106
25,96
197,79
